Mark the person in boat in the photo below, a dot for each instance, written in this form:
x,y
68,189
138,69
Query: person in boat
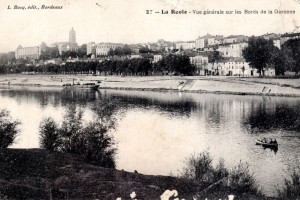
x,y
275,142
271,142
264,140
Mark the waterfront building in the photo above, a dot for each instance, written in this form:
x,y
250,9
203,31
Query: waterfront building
x,y
235,67
200,63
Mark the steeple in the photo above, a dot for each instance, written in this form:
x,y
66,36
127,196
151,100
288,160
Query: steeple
x,y
72,36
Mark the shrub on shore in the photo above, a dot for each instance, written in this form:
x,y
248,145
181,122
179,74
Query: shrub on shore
x,y
92,140
291,189
8,129
238,179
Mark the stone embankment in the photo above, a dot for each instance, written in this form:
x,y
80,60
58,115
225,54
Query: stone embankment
x,y
220,85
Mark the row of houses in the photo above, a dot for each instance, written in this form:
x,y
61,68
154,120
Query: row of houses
x,y
226,67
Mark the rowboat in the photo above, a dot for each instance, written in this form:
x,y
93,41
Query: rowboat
x,y
266,144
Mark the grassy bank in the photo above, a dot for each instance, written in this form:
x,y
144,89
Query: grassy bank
x,y
33,173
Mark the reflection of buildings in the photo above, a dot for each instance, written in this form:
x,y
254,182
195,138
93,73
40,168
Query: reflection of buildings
x,y
67,46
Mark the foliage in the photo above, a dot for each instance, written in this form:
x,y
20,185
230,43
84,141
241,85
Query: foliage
x,y
5,58
92,140
259,53
238,179
50,138
177,64
291,188
214,56
8,129
120,51
199,167
242,180
49,53
291,49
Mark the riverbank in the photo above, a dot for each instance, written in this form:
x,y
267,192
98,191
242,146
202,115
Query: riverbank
x,y
199,84
39,174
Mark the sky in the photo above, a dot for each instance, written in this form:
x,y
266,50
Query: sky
x,y
127,22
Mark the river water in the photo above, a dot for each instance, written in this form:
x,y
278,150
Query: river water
x,y
156,131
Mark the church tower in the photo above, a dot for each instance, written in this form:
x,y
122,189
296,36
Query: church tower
x,y
72,36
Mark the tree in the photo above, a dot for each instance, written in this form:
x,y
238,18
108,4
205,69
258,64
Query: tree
x,y
92,141
49,135
178,64
110,52
259,53
127,50
8,129
291,50
214,56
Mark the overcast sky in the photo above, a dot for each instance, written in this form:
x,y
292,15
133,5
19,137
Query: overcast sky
x,y
127,21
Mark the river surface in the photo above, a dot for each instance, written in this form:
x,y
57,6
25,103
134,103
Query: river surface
x,y
156,131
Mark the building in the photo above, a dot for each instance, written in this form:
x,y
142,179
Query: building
x,y
28,52
215,40
90,48
232,50
185,45
67,46
289,36
235,67
72,36
102,49
202,42
274,37
157,58
235,39
200,63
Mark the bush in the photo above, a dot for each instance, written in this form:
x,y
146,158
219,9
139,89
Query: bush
x,y
291,188
8,129
242,180
239,179
198,166
92,141
49,136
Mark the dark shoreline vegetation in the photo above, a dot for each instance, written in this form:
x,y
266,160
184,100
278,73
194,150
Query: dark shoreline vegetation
x,y
75,154
260,53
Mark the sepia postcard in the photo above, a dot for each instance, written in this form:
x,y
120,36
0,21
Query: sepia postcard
x,y
140,99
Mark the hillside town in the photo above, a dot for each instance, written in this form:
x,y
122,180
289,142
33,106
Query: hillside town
x,y
215,55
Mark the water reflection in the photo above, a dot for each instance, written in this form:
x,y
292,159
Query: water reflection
x,y
156,131
267,115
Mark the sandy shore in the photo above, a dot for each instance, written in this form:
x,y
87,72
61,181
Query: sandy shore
x,y
222,85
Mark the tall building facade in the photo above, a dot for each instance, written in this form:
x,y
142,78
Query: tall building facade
x,y
28,52
91,48
67,46
72,36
